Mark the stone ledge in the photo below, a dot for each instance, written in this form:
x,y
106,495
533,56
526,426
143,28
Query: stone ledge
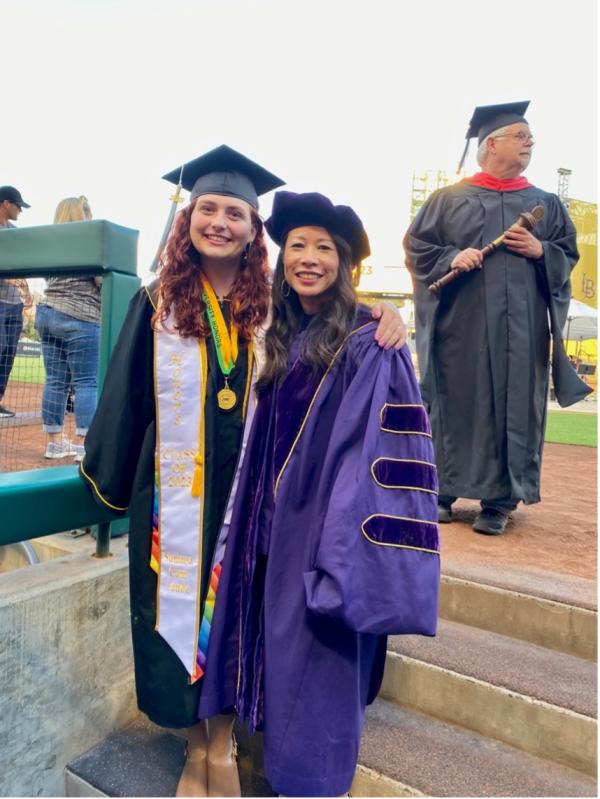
x,y
66,671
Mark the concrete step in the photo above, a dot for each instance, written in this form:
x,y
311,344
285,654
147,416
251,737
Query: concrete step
x,y
143,760
556,625
533,698
139,760
403,753
554,677
411,754
512,575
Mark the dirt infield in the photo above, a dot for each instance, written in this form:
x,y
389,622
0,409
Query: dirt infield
x,y
549,548
22,445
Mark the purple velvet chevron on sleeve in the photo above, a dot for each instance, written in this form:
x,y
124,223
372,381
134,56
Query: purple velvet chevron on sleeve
x,y
377,567
405,419
399,531
405,473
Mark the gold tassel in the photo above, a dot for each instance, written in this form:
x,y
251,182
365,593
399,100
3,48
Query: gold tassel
x,y
198,478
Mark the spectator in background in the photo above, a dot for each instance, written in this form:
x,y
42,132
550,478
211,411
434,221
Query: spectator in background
x,y
68,321
14,296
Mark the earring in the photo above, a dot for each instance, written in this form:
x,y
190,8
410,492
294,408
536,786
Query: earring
x,y
285,285
246,253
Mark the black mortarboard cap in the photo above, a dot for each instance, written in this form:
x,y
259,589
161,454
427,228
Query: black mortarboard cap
x,y
225,171
291,210
488,118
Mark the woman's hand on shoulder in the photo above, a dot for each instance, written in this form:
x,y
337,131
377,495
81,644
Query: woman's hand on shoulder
x,y
391,330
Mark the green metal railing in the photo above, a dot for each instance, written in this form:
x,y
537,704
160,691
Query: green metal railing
x,y
41,502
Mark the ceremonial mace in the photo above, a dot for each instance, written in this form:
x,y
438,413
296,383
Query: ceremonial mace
x,y
528,220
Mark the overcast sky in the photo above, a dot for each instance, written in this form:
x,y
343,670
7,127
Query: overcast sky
x,y
102,97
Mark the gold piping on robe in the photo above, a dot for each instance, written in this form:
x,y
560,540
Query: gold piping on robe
x,y
248,378
402,432
397,546
405,432
150,298
198,484
156,463
402,460
97,491
312,402
199,469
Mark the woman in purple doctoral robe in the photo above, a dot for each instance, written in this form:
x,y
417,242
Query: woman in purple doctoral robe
x,y
333,542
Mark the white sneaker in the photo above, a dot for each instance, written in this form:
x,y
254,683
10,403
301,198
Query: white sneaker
x,y
79,452
59,449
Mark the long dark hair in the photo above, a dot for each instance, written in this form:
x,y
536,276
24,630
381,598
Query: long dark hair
x,y
181,288
327,329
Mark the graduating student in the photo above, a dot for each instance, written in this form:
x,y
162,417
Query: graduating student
x,y
168,439
333,540
484,340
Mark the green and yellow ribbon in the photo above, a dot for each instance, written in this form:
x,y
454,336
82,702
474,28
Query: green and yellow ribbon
x,y
226,341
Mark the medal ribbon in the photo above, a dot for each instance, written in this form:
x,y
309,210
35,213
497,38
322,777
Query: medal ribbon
x,y
226,341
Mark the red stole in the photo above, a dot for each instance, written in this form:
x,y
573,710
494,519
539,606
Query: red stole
x,y
497,184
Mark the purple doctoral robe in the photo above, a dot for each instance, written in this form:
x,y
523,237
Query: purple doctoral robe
x,y
333,545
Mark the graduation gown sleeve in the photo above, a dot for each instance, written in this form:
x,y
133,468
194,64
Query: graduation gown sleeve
x,y
125,410
376,569
429,252
560,254
556,265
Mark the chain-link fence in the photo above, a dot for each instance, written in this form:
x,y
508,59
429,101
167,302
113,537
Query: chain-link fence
x,y
49,344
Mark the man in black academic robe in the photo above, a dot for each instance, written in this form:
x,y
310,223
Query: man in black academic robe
x,y
483,341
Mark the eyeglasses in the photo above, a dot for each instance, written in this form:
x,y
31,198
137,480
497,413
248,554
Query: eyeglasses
x,y
521,137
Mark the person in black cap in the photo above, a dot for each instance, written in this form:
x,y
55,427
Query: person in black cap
x,y
14,296
483,341
333,537
11,204
167,442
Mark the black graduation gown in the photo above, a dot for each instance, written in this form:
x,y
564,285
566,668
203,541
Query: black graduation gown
x,y
484,341
119,466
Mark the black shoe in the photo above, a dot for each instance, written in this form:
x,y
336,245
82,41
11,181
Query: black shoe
x,y
444,514
491,522
4,412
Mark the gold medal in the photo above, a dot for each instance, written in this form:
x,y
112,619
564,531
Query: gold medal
x,y
226,398
226,345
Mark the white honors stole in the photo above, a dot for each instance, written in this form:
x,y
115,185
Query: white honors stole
x,y
180,377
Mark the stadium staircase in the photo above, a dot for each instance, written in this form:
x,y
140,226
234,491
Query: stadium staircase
x,y
501,703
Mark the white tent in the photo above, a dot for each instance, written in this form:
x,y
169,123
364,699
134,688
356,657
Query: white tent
x,y
582,322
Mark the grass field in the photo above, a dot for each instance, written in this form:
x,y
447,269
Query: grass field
x,y
28,370
566,427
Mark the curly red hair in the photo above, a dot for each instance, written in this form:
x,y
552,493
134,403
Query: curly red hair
x,y
181,289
